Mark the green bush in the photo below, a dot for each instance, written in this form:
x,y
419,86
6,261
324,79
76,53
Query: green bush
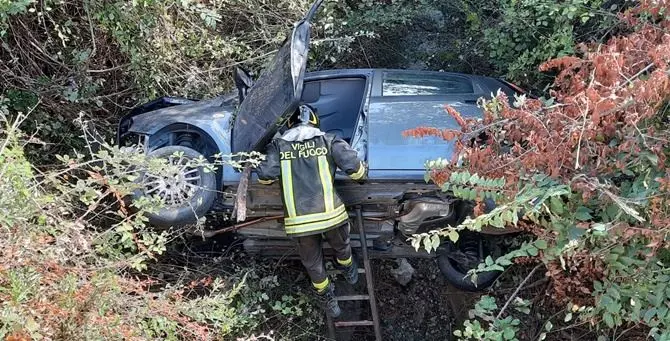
x,y
530,32
101,58
363,34
188,48
585,172
66,273
104,57
509,38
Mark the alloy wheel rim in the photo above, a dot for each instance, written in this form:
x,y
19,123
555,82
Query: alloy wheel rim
x,y
177,186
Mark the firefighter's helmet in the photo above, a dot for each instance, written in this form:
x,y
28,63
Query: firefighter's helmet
x,y
304,115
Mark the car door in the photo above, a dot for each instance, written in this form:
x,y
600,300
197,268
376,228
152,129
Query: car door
x,y
341,98
276,94
404,100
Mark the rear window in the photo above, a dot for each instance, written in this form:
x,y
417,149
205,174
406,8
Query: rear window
x,y
408,84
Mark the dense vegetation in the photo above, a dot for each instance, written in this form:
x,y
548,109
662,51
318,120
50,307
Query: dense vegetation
x,y
100,58
75,262
586,173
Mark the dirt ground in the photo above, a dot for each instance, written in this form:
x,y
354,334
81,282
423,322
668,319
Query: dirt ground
x,y
426,309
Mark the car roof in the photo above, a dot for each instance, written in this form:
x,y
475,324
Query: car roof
x,y
358,72
484,84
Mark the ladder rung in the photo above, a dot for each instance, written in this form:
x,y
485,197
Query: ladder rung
x,y
339,272
370,297
364,323
353,298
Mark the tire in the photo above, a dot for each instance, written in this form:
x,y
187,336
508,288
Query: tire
x,y
455,273
196,189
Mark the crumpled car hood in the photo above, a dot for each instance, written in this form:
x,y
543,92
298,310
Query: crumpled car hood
x,y
202,113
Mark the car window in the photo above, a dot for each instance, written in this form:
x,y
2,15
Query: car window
x,y
389,149
421,84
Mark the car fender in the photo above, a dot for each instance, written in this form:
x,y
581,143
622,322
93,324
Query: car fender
x,y
211,119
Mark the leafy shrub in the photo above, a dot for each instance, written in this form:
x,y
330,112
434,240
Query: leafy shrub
x,y
101,58
104,57
188,48
586,172
530,32
500,329
502,38
73,257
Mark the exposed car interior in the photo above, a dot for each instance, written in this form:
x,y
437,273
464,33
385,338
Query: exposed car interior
x,y
338,102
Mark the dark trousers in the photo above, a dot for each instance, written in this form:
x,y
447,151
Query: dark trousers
x,y
311,251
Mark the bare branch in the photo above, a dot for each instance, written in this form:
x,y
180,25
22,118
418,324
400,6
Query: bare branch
x,y
518,289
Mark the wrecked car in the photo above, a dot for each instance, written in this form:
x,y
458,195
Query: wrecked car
x,y
368,108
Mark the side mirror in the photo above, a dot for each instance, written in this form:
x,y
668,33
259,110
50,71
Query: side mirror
x,y
243,82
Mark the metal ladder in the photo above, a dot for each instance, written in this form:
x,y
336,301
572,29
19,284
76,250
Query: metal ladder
x,y
370,296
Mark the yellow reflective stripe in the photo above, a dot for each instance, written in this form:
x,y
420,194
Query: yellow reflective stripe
x,y
316,226
326,182
265,182
321,286
345,262
359,174
287,186
313,119
308,218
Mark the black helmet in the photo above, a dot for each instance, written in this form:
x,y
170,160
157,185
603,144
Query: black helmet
x,y
305,114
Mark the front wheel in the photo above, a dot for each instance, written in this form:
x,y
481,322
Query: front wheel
x,y
187,192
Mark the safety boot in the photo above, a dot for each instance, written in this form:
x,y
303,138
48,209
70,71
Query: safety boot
x,y
328,301
350,272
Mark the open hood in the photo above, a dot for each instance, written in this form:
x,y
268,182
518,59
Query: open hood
x,y
276,94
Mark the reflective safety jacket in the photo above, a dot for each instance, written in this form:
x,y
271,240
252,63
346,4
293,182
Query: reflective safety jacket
x,y
305,159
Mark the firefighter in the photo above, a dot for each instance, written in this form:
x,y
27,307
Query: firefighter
x,y
304,159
